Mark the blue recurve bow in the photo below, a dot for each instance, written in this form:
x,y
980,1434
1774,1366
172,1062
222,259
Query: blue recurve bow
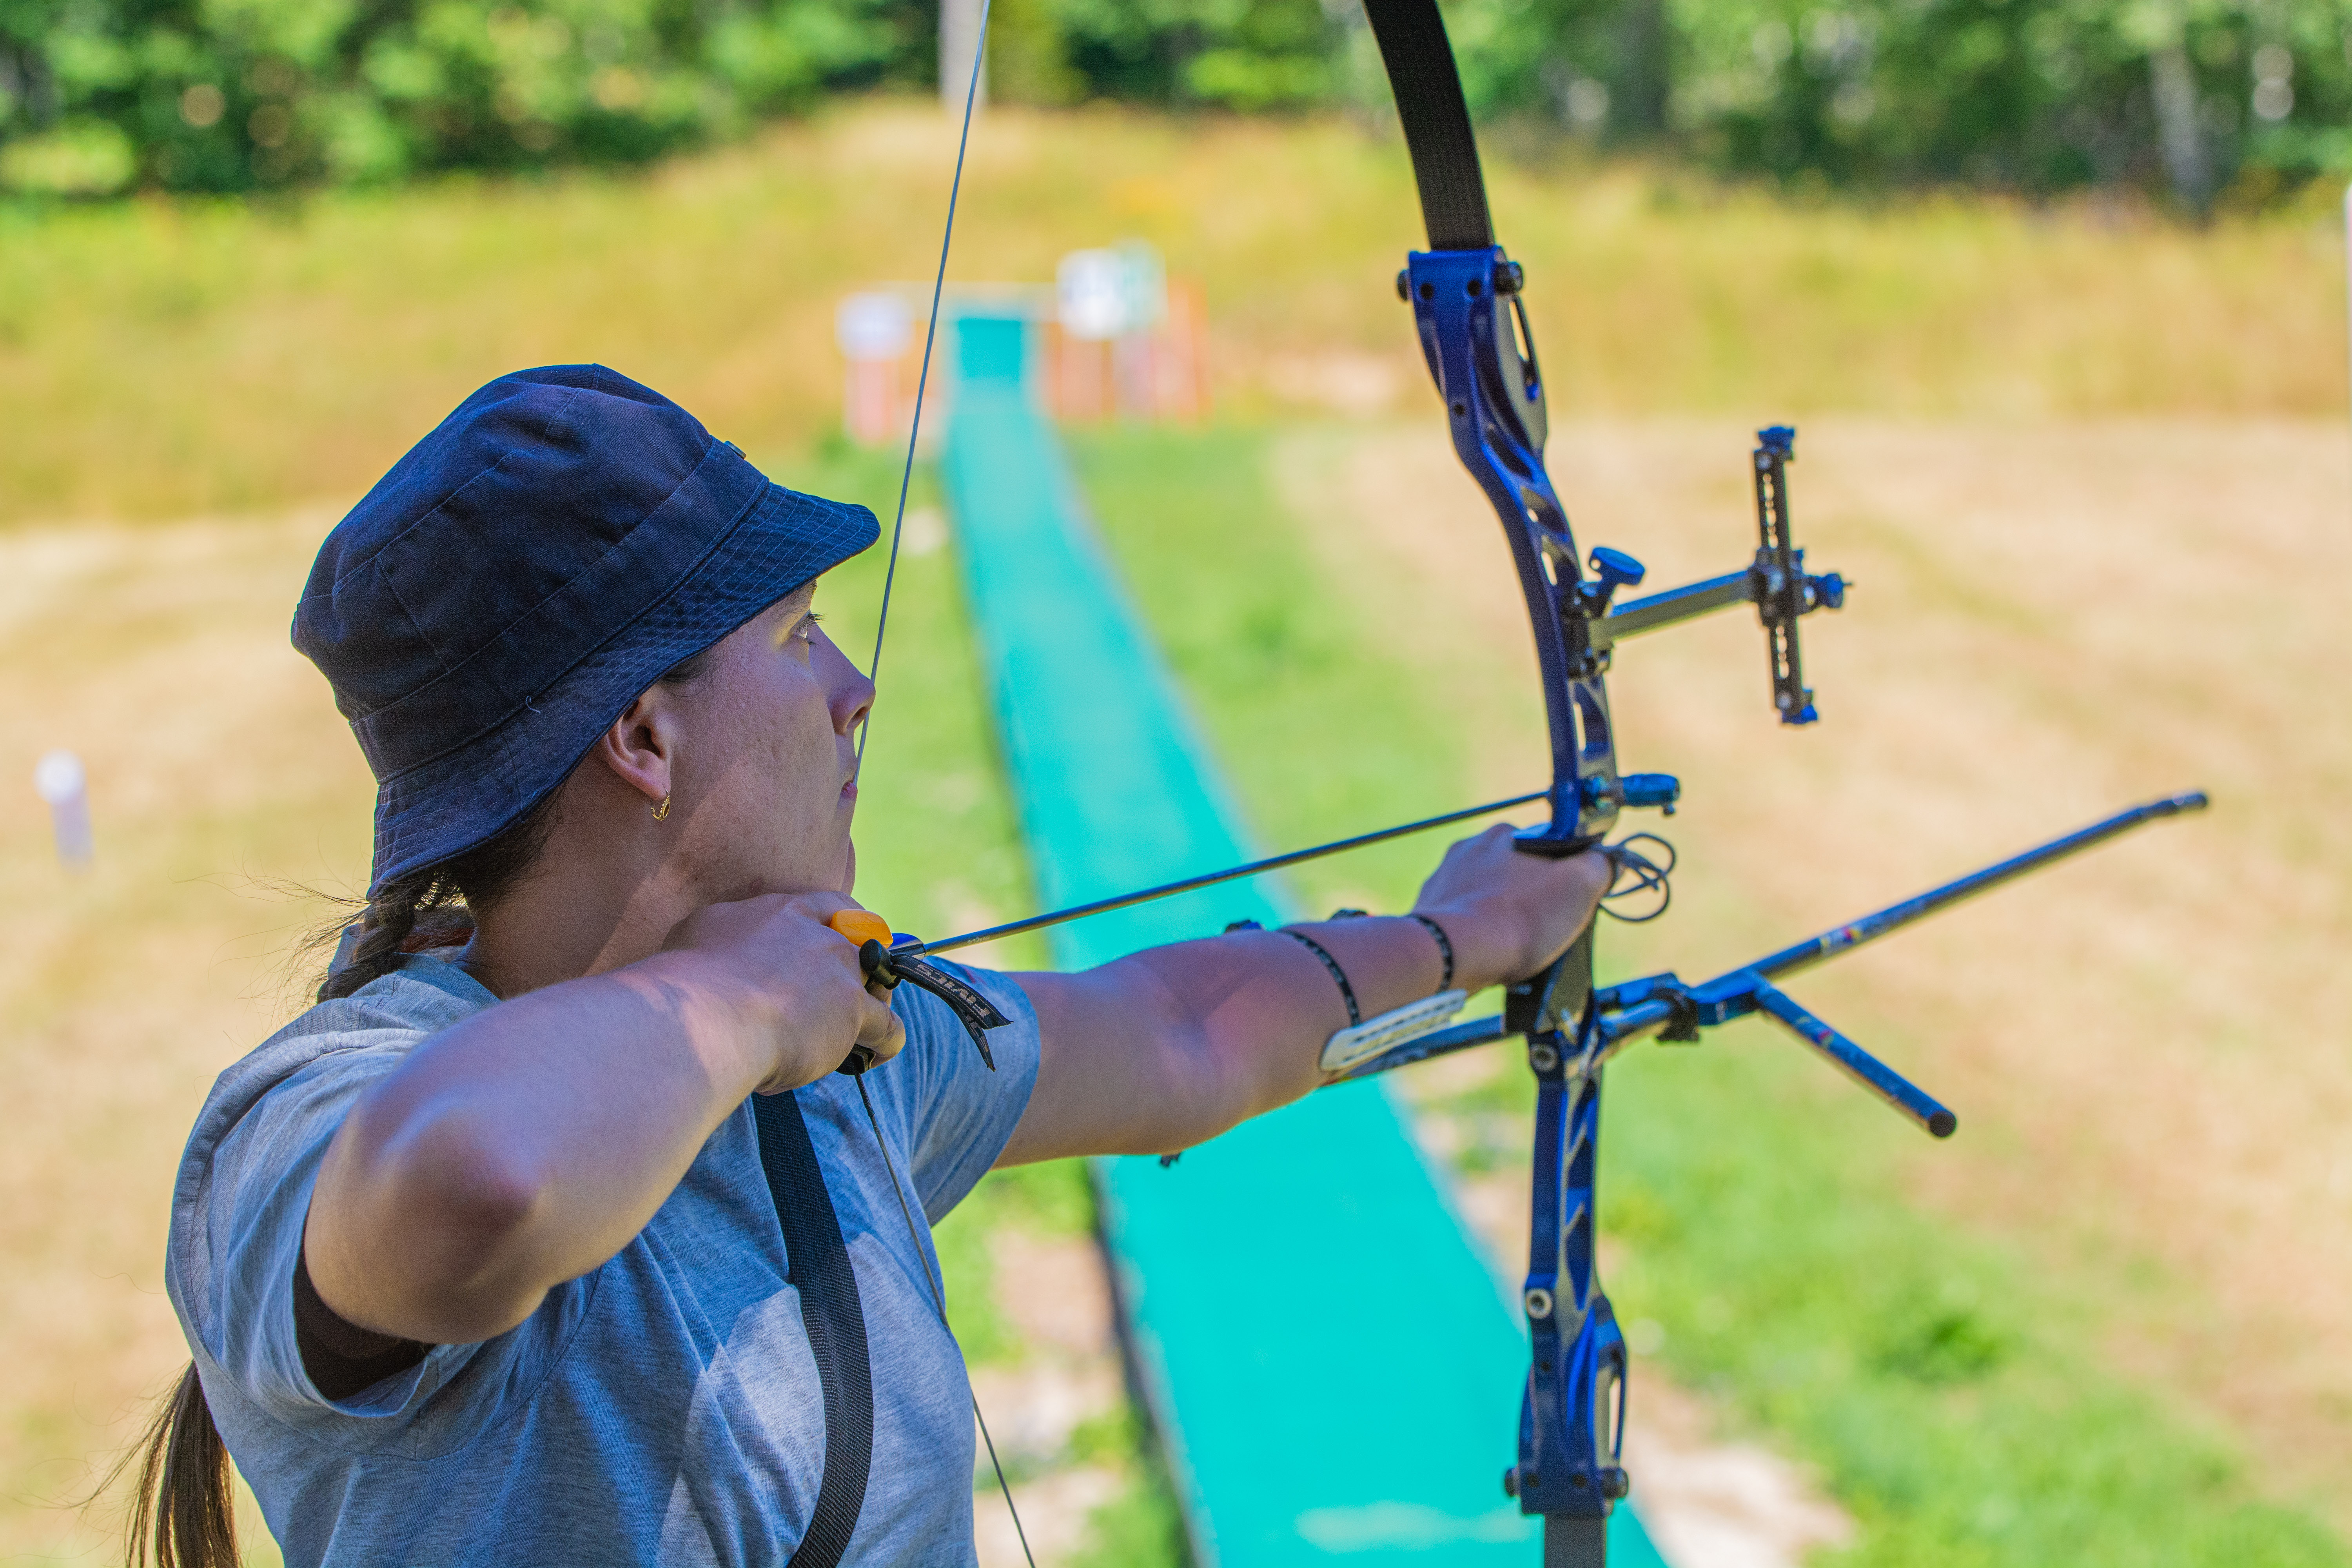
x,y
1468,300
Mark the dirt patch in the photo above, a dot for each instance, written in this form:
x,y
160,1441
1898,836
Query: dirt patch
x,y
1710,1503
2146,1046
160,656
1057,1293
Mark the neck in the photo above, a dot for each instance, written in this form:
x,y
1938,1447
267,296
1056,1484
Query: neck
x,y
577,912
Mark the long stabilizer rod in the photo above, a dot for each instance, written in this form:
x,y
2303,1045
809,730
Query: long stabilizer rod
x,y
1640,1008
1871,927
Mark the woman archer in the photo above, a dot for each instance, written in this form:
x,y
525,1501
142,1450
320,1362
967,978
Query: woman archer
x,y
484,1259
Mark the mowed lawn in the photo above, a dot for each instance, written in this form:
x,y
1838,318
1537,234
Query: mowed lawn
x,y
2088,470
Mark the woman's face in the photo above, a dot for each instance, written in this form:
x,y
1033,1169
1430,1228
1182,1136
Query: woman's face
x,y
765,778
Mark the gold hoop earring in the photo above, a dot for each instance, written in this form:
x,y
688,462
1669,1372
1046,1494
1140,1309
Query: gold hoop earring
x,y
661,812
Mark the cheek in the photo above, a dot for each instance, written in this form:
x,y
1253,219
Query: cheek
x,y
797,728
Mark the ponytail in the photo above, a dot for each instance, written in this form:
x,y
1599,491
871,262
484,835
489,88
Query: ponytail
x,y
435,905
383,929
182,1511
183,1514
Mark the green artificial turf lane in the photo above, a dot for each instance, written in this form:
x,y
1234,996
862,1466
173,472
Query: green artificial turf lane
x,y
1334,1369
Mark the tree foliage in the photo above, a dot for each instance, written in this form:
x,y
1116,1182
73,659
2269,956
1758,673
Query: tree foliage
x,y
2193,97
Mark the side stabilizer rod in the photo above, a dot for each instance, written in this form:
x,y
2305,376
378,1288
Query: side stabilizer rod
x,y
1908,1098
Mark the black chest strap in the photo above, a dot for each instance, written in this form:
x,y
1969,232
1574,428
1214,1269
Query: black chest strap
x,y
818,1263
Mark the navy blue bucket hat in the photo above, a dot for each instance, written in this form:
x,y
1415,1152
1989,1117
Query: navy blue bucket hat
x,y
504,593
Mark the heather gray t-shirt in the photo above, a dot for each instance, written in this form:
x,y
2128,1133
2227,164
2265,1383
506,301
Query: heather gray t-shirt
x,y
662,1408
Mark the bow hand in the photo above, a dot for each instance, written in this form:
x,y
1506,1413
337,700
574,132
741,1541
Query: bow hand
x,y
1509,914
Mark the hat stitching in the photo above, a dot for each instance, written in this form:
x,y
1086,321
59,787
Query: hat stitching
x,y
685,575
569,396
507,762
340,696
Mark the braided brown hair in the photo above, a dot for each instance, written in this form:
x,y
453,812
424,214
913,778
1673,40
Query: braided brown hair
x,y
437,901
182,1510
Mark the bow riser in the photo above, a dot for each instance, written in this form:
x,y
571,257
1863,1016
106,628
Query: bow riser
x,y
1481,357
1571,1418
1495,408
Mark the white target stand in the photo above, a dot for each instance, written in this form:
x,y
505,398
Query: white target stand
x,y
59,779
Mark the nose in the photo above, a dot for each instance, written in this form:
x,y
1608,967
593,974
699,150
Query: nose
x,y
848,695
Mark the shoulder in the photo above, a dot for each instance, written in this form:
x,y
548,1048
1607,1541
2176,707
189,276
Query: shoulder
x,y
366,1034
266,1124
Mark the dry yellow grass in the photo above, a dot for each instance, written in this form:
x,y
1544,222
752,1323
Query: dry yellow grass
x,y
2148,1047
165,358
2145,1047
160,656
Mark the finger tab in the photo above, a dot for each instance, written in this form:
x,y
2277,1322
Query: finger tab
x,y
861,926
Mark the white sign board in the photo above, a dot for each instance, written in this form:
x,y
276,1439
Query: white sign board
x,y
1110,293
874,326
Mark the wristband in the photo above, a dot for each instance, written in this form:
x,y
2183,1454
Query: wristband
x,y
1444,948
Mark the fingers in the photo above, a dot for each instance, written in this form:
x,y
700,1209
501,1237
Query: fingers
x,y
815,1001
1509,914
879,1029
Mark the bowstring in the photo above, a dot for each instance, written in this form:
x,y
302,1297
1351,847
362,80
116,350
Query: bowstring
x,y
873,674
923,378
940,1295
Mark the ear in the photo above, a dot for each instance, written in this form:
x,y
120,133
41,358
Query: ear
x,y
642,746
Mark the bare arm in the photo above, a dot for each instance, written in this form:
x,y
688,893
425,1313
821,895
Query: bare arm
x,y
1171,1046
527,1144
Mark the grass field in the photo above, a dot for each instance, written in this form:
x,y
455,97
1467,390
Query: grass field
x,y
2087,469
159,359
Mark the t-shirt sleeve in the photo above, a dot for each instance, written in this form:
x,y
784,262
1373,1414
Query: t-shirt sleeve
x,y
237,1244
955,1115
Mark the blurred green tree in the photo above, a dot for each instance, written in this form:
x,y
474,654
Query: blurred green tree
x,y
2205,99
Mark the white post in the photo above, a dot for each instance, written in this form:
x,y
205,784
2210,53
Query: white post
x,y
958,38
59,779
2347,278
